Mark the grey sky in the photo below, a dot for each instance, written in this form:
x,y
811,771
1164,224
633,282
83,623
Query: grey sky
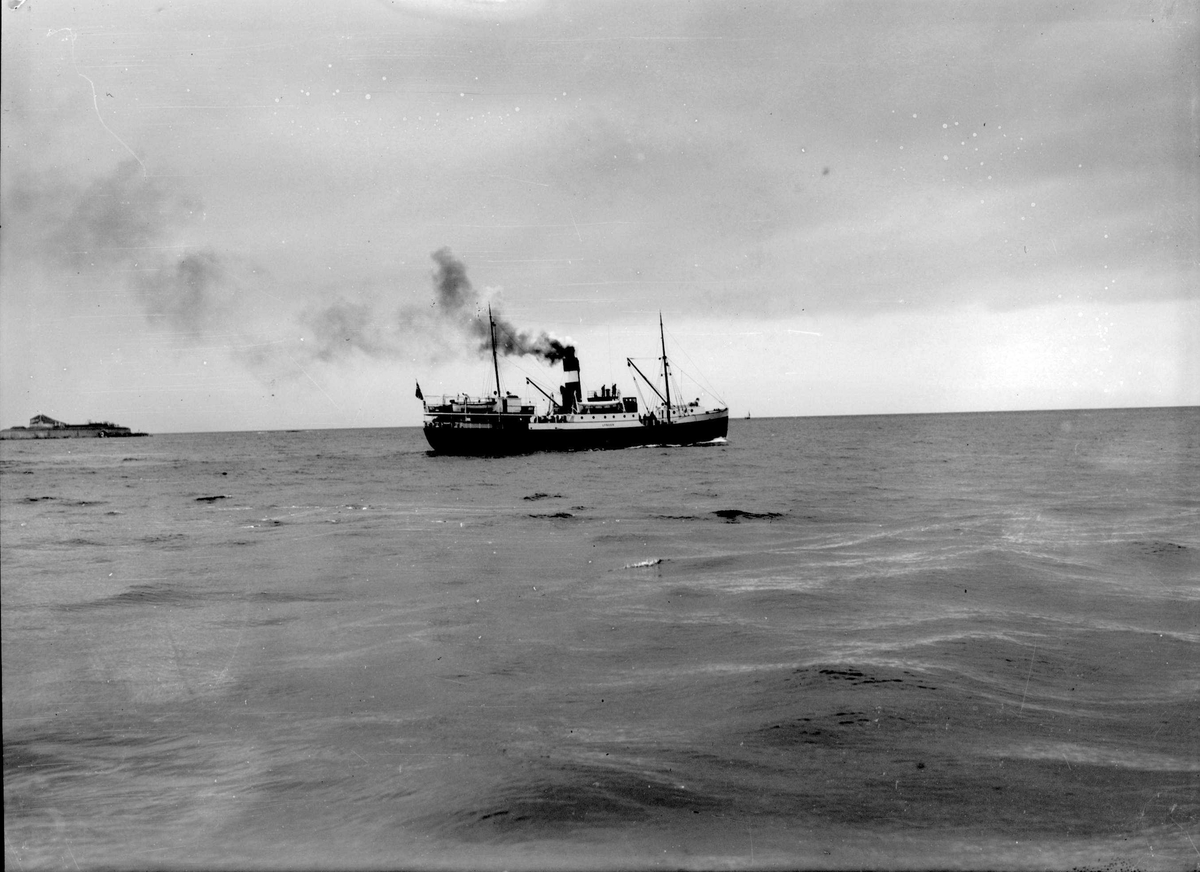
x,y
222,215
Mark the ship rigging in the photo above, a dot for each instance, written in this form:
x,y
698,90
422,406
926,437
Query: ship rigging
x,y
507,424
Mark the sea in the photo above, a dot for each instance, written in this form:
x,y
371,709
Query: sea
x,y
963,641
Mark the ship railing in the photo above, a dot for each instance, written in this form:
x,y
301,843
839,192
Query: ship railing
x,y
466,404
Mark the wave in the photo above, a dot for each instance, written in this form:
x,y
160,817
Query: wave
x,y
732,516
140,595
1096,755
643,564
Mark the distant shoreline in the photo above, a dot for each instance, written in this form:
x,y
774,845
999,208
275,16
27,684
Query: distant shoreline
x,y
44,427
68,433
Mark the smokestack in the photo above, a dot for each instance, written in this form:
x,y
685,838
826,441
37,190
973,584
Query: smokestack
x,y
571,391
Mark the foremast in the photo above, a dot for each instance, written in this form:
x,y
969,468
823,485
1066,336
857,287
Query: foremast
x,y
495,359
662,337
666,369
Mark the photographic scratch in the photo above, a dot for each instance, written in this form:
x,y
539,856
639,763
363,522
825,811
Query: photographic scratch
x,y
72,36
1027,677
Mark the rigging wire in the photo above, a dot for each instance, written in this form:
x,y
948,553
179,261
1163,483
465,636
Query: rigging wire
x,y
513,361
703,384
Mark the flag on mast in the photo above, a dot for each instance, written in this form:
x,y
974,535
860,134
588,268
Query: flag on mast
x,y
420,396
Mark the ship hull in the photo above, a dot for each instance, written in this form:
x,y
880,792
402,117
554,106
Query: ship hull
x,y
513,436
485,435
504,423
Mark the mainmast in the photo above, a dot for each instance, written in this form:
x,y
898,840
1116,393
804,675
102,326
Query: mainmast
x,y
666,375
495,360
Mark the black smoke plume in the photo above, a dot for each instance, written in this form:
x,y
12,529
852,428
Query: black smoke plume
x,y
343,327
118,218
140,231
459,302
192,293
124,224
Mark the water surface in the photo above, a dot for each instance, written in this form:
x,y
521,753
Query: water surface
x,y
963,641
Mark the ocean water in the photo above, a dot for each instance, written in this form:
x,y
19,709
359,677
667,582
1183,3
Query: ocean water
x,y
952,641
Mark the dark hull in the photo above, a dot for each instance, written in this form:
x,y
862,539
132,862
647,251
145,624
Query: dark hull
x,y
516,437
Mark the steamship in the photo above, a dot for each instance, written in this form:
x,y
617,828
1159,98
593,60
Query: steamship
x,y
505,423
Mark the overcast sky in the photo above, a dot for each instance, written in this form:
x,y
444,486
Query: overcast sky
x,y
223,215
